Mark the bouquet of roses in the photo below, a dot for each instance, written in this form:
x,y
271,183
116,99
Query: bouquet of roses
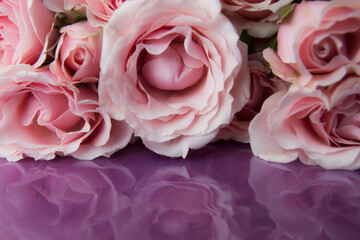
x,y
85,78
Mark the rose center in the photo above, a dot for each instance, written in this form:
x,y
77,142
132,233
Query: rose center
x,y
327,49
76,59
173,69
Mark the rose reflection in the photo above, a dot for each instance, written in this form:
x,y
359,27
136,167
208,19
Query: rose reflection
x,y
102,199
308,202
172,205
61,200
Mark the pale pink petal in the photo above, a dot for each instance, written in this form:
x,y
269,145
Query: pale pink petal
x,y
278,67
262,142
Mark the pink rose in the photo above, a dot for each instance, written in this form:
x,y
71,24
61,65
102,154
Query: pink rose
x,y
319,127
176,73
63,5
258,17
100,11
77,56
308,202
262,86
40,118
23,32
61,199
171,204
319,44
254,10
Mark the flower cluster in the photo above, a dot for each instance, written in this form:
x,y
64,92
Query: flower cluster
x,y
317,119
85,78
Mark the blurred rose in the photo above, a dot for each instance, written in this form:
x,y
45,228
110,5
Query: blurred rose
x,y
61,200
169,204
39,119
319,127
176,72
254,9
63,5
258,17
308,202
319,44
100,11
24,26
77,56
262,86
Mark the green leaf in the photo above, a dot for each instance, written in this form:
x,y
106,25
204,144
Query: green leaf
x,y
273,43
246,38
285,11
78,16
61,20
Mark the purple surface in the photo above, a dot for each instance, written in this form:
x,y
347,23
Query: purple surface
x,y
219,192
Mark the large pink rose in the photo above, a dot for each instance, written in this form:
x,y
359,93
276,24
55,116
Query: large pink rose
x,y
170,204
257,16
261,87
319,127
319,44
175,70
39,118
24,26
78,51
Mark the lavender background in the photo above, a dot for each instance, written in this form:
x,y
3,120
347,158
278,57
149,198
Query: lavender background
x,y
219,192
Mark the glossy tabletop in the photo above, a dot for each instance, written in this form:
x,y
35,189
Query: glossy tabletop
x,y
218,192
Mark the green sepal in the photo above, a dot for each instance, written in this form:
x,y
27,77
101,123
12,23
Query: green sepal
x,y
78,16
246,38
285,11
61,20
273,43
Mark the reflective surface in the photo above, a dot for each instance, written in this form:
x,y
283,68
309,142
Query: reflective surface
x,y
219,192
